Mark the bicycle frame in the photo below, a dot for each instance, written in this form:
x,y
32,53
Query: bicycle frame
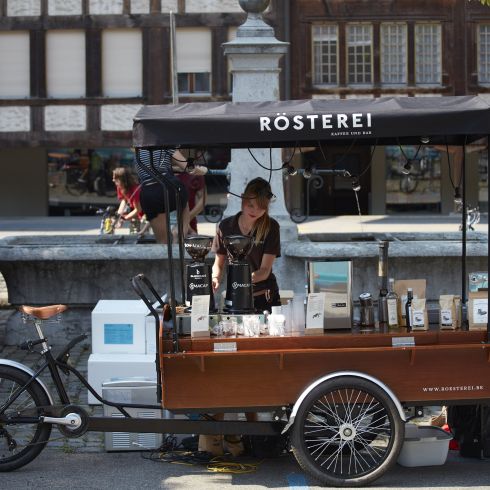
x,y
128,423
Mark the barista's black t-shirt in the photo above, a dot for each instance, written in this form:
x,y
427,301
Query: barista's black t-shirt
x,y
270,245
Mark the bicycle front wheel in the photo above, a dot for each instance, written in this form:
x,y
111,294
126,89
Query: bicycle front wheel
x,y
347,432
21,443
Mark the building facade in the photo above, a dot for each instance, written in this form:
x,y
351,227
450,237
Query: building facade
x,y
353,49
74,73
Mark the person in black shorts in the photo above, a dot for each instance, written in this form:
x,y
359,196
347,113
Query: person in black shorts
x,y
253,220
152,197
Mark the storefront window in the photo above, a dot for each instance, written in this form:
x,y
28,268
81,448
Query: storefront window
x,y
420,188
80,180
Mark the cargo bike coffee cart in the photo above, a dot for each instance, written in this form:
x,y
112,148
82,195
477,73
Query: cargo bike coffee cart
x,y
341,397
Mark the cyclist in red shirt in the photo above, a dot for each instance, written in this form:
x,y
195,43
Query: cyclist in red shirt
x,y
128,193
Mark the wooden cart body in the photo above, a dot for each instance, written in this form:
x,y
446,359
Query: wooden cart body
x,y
441,366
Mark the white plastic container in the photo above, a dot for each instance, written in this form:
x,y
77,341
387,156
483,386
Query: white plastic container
x,y
424,445
119,326
276,323
105,367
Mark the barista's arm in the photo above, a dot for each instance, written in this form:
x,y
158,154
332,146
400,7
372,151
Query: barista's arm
x,y
265,269
219,262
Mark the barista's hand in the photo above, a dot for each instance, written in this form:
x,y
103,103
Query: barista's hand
x,y
215,283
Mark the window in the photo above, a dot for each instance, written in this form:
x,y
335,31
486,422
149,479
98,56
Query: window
x,y
194,60
80,179
194,83
428,54
65,63
122,63
325,54
484,54
359,53
420,190
393,54
14,63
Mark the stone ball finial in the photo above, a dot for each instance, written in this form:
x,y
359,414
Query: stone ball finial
x,y
254,6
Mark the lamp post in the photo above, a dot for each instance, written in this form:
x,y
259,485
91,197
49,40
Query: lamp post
x,y
254,55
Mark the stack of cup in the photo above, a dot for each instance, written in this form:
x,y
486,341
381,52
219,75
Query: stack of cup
x,y
298,313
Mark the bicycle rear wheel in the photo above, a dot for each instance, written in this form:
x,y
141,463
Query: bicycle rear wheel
x,y
21,443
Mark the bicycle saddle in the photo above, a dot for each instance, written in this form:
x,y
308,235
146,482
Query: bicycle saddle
x,y
43,312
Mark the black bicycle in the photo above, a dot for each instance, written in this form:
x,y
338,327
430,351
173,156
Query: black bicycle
x,y
28,410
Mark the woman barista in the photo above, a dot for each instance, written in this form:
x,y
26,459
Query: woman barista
x,y
253,220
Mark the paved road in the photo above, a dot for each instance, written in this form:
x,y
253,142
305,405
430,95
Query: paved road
x,y
55,469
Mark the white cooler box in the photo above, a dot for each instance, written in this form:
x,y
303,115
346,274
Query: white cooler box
x,y
132,390
122,326
105,367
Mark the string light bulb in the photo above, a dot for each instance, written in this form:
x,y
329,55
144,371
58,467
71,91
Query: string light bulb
x,y
458,200
425,140
307,173
289,170
406,169
356,185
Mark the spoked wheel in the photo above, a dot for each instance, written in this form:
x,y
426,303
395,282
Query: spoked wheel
x,y
347,432
21,443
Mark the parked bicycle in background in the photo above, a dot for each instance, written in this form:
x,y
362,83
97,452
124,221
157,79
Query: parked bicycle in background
x,y
88,173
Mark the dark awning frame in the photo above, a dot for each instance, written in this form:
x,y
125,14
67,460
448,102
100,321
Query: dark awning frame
x,y
455,120
451,120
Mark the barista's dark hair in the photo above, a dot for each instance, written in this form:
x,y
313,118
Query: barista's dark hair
x,y
260,190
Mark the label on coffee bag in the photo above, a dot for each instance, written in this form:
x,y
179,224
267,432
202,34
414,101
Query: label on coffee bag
x,y
480,310
418,318
446,318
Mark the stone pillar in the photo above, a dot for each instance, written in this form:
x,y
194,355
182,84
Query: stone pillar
x,y
254,57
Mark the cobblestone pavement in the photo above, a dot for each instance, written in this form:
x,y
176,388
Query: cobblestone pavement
x,y
91,441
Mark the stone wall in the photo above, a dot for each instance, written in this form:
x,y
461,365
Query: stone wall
x,y
79,272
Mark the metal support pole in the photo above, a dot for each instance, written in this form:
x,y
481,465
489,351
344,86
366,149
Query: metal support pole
x,y
180,238
488,197
166,182
464,299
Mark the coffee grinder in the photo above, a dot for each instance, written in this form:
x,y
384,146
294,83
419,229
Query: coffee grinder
x,y
239,291
198,273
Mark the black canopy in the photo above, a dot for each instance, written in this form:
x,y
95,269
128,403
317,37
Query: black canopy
x,y
388,120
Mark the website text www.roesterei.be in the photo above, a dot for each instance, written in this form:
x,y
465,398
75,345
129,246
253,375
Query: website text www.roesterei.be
x,y
432,389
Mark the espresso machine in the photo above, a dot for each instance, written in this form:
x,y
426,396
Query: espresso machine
x,y
239,290
198,273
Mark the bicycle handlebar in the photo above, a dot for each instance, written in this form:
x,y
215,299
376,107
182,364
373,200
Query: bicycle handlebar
x,y
142,279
